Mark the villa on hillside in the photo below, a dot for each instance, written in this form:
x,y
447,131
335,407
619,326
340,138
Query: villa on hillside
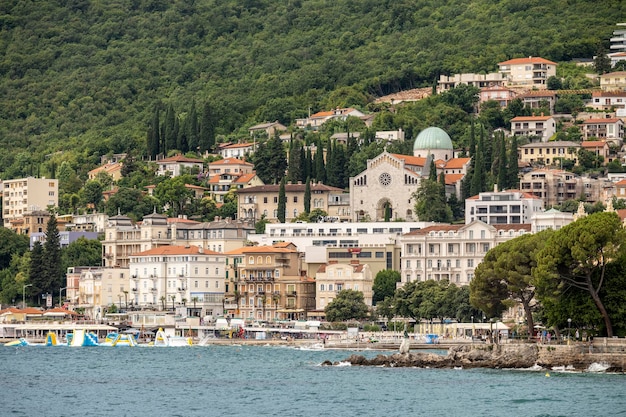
x,y
531,72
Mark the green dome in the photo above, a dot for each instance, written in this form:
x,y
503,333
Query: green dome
x,y
432,138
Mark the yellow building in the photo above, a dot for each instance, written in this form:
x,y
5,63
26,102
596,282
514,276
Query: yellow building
x,y
25,195
546,152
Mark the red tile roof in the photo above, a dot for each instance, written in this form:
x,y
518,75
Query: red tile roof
x,y
411,160
228,161
457,163
531,118
529,60
245,178
452,179
593,144
180,158
601,121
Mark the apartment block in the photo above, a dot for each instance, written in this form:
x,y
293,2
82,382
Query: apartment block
x,y
24,195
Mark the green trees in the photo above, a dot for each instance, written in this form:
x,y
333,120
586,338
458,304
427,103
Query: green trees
x,y
282,202
348,305
577,258
505,276
430,202
270,161
384,285
206,138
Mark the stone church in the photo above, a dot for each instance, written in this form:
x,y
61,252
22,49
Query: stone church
x,y
384,191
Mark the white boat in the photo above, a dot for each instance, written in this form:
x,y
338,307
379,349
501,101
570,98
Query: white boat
x,y
163,340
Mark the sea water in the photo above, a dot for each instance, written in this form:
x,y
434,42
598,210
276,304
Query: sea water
x,y
281,381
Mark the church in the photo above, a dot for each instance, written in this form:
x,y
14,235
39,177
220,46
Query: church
x,y
384,191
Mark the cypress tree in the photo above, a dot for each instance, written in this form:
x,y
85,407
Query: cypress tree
x,y
170,128
310,164
502,168
282,202
53,275
307,196
340,162
331,174
192,128
294,169
442,184
36,268
305,167
206,138
472,143
513,169
432,174
478,176
320,168
155,139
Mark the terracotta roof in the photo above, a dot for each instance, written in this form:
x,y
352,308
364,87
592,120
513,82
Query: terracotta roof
x,y
322,114
436,228
171,220
457,163
614,74
452,179
261,249
622,182
410,160
180,158
406,95
593,144
600,120
176,250
293,188
608,94
245,178
112,167
538,93
621,213
529,60
194,187
530,118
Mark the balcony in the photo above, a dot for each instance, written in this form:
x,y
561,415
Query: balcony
x,y
292,293
134,289
153,289
182,289
133,276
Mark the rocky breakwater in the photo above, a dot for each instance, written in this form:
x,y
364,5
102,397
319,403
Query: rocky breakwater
x,y
514,356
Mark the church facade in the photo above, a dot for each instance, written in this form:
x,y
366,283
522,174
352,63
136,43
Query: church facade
x,y
384,191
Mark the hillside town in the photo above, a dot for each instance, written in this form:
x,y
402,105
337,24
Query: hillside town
x,y
201,271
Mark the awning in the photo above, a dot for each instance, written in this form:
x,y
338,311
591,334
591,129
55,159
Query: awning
x,y
295,310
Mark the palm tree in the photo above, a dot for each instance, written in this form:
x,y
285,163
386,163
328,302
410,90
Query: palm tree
x,y
184,301
173,297
263,303
194,300
125,299
162,301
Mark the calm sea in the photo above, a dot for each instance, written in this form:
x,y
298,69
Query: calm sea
x,y
280,381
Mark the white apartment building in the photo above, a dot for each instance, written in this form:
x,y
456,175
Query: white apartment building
x,y
532,72
175,166
170,276
451,252
334,277
502,207
447,82
26,195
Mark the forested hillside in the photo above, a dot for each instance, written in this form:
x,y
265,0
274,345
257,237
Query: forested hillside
x,y
83,76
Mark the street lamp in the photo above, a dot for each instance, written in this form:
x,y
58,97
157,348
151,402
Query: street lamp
x,y
569,325
472,317
60,296
24,294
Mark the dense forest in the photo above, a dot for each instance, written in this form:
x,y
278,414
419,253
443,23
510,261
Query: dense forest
x,y
81,78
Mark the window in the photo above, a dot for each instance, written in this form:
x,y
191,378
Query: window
x,y
408,264
295,199
322,287
251,260
470,263
264,200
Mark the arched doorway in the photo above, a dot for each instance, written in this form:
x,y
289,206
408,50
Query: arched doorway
x,y
384,210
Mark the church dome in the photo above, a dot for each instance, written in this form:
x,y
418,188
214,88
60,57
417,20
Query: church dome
x,y
432,138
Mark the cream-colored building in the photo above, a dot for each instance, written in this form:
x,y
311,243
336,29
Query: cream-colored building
x,y
451,252
536,128
548,153
613,81
609,129
25,195
255,202
100,288
123,238
447,82
334,277
170,276
531,72
175,166
271,283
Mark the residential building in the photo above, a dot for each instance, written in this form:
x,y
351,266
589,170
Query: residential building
x,y
613,81
113,169
230,165
599,148
555,186
175,166
608,100
237,150
220,235
168,276
536,128
537,99
272,284
451,252
88,222
620,189
531,72
607,129
547,153
550,219
314,121
447,82
24,195
221,184
412,95
618,40
333,277
262,200
100,288
502,207
502,95
65,237
268,129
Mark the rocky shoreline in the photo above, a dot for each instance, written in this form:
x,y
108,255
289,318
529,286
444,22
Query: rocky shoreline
x,y
493,356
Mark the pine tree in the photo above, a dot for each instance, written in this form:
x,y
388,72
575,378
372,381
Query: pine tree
x,y
36,269
340,162
442,183
305,167
310,164
307,196
282,202
331,173
154,138
472,143
478,176
170,128
294,169
52,273
206,138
